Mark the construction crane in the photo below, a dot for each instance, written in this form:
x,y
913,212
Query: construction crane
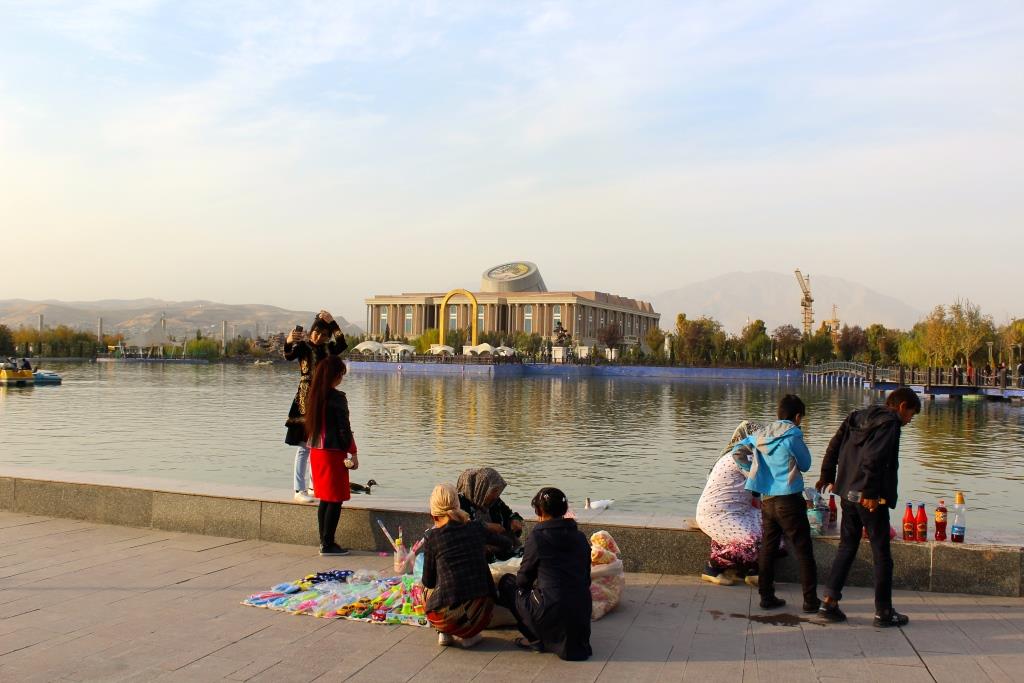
x,y
807,302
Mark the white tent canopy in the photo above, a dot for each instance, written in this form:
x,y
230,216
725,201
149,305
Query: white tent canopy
x,y
437,349
505,351
399,348
479,350
370,347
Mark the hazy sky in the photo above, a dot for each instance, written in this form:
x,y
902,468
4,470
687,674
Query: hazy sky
x,y
311,154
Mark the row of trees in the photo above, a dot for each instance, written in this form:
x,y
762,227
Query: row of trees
x,y
957,333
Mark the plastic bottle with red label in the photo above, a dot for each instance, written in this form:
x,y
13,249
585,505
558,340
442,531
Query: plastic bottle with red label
x,y
941,515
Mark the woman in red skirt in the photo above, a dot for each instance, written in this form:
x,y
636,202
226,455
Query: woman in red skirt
x,y
332,448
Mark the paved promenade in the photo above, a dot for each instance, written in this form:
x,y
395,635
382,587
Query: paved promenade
x,y
83,602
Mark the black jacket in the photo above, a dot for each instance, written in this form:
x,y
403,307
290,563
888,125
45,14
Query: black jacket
x,y
553,583
337,428
454,565
308,355
863,456
500,514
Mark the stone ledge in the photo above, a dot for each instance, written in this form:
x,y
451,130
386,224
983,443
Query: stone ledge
x,y
653,544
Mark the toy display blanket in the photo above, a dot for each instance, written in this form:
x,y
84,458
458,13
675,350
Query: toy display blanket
x,y
344,594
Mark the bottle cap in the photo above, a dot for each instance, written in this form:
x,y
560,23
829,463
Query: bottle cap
x,y
959,498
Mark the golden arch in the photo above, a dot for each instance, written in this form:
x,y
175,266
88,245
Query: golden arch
x,y
444,314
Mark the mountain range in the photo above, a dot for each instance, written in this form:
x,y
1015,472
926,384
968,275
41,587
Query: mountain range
x,y
737,298
131,316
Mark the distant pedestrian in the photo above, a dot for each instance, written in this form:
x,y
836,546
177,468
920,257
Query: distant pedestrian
x,y
1020,374
860,466
777,457
329,434
325,339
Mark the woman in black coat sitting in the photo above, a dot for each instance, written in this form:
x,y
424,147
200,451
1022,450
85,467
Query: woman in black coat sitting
x,y
550,597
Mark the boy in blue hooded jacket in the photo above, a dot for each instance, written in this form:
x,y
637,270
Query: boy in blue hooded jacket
x,y
774,461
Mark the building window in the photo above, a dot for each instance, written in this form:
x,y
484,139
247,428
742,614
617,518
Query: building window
x,y
590,322
528,319
453,317
480,318
383,319
556,316
408,321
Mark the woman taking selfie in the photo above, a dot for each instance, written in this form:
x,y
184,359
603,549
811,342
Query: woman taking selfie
x,y
325,338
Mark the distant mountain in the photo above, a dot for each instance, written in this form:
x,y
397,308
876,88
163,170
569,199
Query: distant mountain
x,y
137,315
734,298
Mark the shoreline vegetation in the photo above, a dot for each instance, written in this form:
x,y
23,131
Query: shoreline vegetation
x,y
958,333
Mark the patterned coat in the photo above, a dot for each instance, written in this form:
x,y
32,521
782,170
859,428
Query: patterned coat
x,y
307,354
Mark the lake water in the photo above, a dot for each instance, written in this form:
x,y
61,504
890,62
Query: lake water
x,y
646,443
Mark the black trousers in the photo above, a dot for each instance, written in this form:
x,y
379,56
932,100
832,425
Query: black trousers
x,y
507,592
855,518
327,517
786,515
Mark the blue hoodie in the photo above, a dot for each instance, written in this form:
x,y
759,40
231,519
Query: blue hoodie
x,y
773,459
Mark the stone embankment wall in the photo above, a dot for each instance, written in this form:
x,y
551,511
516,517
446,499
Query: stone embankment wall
x,y
663,547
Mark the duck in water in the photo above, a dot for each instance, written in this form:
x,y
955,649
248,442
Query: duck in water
x,y
360,488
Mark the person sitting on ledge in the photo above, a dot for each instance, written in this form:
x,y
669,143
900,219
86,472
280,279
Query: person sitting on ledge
x,y
460,590
480,496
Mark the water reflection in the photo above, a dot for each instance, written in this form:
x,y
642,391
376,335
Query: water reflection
x,y
646,443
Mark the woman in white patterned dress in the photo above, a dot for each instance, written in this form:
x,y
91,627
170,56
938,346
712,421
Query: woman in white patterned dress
x,y
731,516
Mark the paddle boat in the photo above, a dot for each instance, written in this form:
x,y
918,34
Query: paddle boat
x,y
12,377
46,377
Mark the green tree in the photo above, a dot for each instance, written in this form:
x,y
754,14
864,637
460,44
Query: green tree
x,y
883,344
818,348
655,340
755,342
787,342
6,341
208,349
610,335
429,336
853,343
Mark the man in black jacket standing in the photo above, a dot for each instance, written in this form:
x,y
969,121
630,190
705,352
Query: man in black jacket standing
x,y
860,466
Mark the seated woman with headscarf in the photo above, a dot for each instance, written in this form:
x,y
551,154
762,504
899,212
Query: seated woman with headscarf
x,y
731,516
479,495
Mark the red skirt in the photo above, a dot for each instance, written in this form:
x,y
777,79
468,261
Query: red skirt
x,y
330,476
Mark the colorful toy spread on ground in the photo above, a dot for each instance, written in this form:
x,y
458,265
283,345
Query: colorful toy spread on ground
x,y
369,596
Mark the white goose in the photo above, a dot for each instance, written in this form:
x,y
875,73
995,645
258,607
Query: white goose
x,y
596,504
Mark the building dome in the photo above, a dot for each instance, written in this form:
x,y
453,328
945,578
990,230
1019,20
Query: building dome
x,y
517,276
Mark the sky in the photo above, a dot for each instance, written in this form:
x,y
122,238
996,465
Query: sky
x,y
309,155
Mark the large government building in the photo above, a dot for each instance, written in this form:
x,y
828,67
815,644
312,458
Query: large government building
x,y
512,298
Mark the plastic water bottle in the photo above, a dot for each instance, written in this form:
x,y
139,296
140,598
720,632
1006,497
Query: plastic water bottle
x,y
940,521
959,527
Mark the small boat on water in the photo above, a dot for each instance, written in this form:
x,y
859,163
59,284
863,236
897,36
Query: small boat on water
x,y
46,377
10,377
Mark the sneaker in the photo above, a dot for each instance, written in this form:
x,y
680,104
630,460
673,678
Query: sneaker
x,y
715,576
812,607
890,617
772,602
751,579
829,611
444,639
301,497
467,643
333,550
